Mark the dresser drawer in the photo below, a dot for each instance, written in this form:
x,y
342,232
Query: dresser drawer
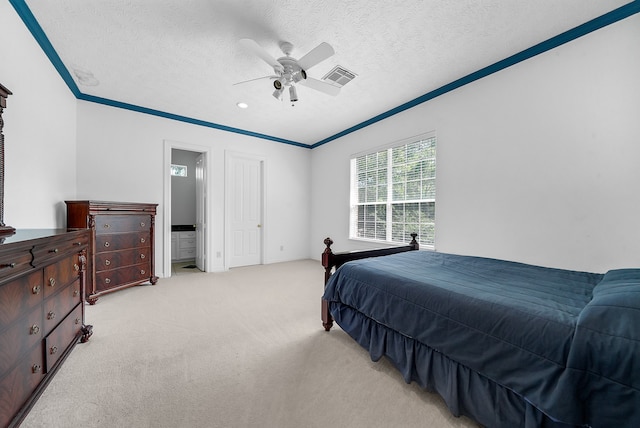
x,y
62,337
17,296
18,337
15,263
61,274
125,275
58,306
117,259
121,241
47,252
17,385
122,223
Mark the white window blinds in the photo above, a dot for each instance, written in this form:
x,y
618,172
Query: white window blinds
x,y
394,193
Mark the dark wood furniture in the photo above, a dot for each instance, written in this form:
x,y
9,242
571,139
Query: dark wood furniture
x,y
332,261
122,244
42,275
4,229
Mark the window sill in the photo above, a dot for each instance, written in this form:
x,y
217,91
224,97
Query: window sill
x,y
388,244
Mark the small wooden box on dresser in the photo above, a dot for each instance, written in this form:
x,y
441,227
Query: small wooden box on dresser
x,y
122,244
42,275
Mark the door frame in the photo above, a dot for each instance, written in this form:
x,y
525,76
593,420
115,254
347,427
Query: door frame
x,y
207,153
202,201
229,155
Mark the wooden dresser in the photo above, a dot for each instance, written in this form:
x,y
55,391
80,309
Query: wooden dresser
x,y
42,275
122,244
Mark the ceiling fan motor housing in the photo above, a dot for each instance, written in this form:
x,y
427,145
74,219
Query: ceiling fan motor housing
x,y
292,72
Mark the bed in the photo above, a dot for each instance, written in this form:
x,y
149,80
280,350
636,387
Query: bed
x,y
507,344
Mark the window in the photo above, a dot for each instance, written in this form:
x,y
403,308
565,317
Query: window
x,y
178,170
393,193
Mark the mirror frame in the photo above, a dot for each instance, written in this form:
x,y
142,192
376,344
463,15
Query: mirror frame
x,y
4,229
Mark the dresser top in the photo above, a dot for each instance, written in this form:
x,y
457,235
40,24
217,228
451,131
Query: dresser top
x,y
113,206
23,235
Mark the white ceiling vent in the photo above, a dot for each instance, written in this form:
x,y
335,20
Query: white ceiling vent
x,y
339,76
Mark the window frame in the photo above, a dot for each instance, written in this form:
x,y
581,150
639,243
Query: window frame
x,y
175,167
389,202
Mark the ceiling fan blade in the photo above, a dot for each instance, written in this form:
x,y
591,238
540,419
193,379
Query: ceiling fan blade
x,y
254,47
257,78
321,86
316,55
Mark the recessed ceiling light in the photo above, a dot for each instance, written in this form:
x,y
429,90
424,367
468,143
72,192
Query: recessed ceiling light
x,y
242,105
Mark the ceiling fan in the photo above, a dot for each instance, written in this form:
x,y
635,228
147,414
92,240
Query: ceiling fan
x,y
289,71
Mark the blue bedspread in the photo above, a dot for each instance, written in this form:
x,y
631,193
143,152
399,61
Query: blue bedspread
x,y
567,342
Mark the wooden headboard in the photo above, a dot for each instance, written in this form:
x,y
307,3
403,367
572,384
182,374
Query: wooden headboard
x,y
332,261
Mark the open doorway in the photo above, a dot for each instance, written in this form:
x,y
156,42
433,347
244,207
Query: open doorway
x,y
186,213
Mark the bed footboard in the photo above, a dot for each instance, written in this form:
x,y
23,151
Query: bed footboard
x,y
332,261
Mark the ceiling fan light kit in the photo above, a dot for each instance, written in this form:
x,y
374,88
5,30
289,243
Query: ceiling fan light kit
x,y
278,93
293,94
289,71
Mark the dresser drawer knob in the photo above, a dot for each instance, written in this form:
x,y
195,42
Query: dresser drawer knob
x,y
142,256
107,281
55,250
77,243
142,224
106,244
53,350
142,240
142,272
36,368
51,315
36,289
34,329
52,282
107,262
75,293
106,226
77,320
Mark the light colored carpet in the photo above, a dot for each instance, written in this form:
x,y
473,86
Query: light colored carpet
x,y
243,348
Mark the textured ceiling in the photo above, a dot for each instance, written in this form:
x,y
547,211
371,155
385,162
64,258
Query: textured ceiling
x,y
182,57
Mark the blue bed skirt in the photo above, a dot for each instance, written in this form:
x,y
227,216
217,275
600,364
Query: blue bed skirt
x,y
465,391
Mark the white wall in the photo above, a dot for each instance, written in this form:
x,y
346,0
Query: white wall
x,y
121,158
537,163
40,130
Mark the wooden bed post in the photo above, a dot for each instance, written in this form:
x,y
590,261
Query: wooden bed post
x,y
413,242
327,262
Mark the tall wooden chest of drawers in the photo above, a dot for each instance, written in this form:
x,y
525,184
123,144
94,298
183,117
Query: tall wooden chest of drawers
x,y
42,275
122,244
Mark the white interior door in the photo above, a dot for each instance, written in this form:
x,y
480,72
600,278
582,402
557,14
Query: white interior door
x,y
245,211
201,213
